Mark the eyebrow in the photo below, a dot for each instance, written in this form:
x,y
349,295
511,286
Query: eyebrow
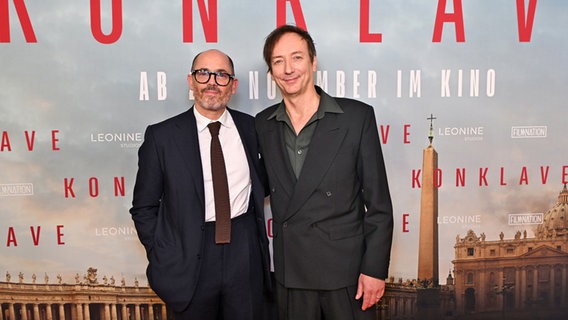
x,y
218,70
293,53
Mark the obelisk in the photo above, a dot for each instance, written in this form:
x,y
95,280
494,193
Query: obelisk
x,y
428,289
428,245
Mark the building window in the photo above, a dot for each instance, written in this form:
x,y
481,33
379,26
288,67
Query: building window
x,y
492,252
510,251
470,252
530,248
530,280
509,275
469,278
492,282
544,274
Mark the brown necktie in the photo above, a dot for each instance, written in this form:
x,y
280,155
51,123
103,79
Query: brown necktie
x,y
220,187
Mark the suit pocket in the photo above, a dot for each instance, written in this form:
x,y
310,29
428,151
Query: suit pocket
x,y
345,231
168,274
165,235
165,254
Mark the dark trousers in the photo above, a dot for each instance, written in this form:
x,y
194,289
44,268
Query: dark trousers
x,y
302,304
230,285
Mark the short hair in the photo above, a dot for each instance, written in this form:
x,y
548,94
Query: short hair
x,y
231,64
277,33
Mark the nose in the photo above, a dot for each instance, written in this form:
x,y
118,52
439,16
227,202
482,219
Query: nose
x,y
212,80
288,67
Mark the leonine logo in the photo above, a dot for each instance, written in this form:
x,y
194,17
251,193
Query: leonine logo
x,y
528,132
125,139
16,189
469,133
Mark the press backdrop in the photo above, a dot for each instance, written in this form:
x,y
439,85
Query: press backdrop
x,y
81,80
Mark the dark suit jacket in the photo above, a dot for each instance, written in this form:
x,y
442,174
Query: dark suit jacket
x,y
323,238
168,206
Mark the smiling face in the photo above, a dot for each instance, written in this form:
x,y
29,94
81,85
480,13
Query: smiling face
x,y
291,66
211,99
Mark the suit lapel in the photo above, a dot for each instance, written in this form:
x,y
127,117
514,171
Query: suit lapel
x,y
278,157
324,145
188,143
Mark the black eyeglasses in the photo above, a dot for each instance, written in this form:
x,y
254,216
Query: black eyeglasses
x,y
203,75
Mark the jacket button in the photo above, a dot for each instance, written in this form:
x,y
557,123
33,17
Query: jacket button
x,y
328,193
285,225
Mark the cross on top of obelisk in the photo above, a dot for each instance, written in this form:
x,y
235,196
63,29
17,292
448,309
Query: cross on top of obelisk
x,y
431,133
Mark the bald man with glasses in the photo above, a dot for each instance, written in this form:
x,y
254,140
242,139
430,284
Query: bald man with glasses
x,y
198,203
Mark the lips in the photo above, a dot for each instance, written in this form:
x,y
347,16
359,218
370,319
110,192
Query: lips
x,y
290,80
211,90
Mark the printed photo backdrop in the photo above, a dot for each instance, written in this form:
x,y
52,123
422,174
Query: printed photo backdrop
x,y
81,80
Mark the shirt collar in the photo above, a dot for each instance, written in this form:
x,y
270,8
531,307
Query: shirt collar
x,y
326,104
203,121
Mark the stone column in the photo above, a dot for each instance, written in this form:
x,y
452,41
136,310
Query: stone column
x,y
36,311
107,311
518,287
87,312
391,305
535,282
48,312
113,313
124,312
553,292
481,289
564,282
79,311
11,311
523,285
164,312
151,311
61,308
24,312
137,311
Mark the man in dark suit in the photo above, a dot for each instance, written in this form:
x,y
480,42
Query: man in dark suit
x,y
330,201
174,205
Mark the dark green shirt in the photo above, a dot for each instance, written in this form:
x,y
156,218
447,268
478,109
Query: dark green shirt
x,y
297,146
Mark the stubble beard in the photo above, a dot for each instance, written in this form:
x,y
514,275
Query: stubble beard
x,y
213,102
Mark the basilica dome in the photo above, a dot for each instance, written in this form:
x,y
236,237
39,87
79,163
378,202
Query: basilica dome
x,y
555,224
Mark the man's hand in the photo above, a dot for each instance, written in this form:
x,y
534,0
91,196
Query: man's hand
x,y
371,289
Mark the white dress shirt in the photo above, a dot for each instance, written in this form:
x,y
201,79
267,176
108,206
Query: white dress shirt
x,y
238,174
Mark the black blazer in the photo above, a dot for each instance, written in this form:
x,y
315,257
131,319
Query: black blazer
x,y
168,206
335,221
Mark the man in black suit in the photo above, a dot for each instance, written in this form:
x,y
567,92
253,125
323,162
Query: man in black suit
x,y
330,201
174,208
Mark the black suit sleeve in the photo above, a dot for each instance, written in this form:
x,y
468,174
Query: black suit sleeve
x,y
378,218
148,190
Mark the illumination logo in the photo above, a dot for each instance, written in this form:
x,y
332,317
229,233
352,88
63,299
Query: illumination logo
x,y
528,132
519,219
17,189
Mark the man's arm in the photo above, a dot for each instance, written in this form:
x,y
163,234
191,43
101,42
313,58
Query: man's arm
x,y
378,218
148,190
